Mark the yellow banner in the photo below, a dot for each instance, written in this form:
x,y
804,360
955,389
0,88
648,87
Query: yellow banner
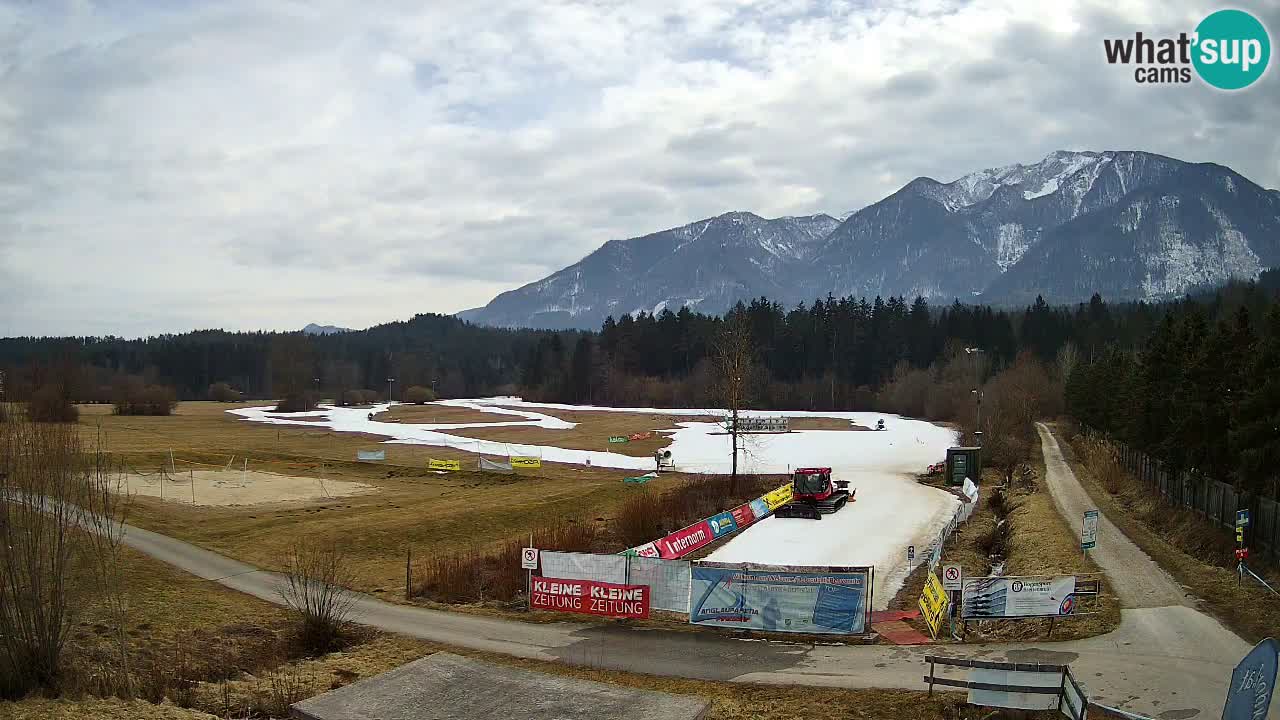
x,y
779,497
933,603
518,461
444,465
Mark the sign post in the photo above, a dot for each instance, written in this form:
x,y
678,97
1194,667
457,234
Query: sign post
x,y
529,562
1252,683
911,553
1089,531
1242,522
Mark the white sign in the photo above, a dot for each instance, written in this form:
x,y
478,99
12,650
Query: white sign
x,y
1009,597
952,576
529,559
1089,531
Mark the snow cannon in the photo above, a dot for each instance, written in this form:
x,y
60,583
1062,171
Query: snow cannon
x,y
814,494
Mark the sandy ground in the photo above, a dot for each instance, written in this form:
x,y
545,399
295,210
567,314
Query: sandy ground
x,y
234,487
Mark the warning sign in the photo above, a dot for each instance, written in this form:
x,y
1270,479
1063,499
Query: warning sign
x,y
952,576
933,604
529,559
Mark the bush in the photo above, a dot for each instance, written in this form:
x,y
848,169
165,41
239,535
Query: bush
x,y
50,404
297,402
131,396
223,392
418,395
316,582
474,575
360,397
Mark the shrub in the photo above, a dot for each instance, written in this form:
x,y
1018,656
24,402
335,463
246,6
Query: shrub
x,y
297,402
131,396
50,404
316,579
474,575
418,395
223,392
359,397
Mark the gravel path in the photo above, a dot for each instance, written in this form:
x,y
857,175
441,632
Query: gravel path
x,y
1135,577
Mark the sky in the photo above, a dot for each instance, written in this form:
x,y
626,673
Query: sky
x,y
166,166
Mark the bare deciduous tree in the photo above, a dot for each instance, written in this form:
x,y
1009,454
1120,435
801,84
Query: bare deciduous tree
x,y
60,529
734,361
315,585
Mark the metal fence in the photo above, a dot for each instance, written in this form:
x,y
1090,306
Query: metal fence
x,y
1213,500
668,580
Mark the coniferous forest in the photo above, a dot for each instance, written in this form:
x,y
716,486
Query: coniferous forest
x,y
1191,382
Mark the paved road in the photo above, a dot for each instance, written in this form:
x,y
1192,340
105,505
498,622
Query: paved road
x,y
1169,662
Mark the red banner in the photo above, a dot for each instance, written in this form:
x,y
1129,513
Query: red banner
x,y
590,598
743,516
683,542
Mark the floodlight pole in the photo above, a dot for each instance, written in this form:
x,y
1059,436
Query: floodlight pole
x,y
390,397
974,352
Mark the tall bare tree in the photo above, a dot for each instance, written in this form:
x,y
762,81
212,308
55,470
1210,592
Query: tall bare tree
x,y
734,362
59,518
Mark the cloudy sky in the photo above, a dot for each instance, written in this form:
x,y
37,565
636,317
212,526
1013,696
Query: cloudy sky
x,y
167,166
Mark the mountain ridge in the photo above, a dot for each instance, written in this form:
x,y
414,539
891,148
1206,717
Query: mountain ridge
x,y
1053,226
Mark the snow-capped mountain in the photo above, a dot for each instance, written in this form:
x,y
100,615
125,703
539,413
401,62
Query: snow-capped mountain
x,y
1131,225
706,265
314,329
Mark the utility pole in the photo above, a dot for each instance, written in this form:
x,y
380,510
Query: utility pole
x,y
390,397
974,352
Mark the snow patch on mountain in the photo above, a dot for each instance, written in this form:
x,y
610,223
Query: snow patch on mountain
x,y
1011,245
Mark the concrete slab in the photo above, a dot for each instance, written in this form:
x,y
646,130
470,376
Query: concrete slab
x,y
450,687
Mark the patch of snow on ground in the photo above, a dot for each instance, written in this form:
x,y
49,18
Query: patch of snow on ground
x,y
891,510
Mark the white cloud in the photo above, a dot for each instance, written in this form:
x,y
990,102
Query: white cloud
x,y
269,164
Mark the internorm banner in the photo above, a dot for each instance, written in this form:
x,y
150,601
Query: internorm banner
x,y
443,464
524,461
780,598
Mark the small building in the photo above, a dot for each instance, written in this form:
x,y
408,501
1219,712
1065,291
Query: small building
x,y
964,462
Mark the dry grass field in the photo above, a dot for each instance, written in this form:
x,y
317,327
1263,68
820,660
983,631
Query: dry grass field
x,y
409,507
170,607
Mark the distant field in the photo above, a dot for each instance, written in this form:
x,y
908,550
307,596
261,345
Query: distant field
x,y
410,507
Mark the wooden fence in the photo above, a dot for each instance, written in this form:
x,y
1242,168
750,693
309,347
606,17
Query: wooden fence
x,y
1213,500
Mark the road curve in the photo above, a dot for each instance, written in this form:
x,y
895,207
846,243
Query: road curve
x,y
1162,661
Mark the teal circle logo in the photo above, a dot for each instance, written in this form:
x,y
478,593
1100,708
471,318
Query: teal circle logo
x,y
1232,49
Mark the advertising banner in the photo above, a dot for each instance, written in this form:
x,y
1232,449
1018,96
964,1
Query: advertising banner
x,y
647,550
371,455
684,541
617,438
780,598
743,515
1015,597
640,436
590,598
933,604
777,498
759,508
444,465
722,524
524,461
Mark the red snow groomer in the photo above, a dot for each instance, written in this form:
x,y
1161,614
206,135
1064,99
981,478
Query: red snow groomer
x,y
814,494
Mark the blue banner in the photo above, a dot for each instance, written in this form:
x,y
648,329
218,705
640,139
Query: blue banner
x,y
1252,683
722,524
780,599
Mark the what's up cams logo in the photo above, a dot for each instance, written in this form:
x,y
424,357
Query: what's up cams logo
x,y
1229,50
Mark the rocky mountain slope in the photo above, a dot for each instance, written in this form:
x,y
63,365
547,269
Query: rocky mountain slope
x,y
1130,225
